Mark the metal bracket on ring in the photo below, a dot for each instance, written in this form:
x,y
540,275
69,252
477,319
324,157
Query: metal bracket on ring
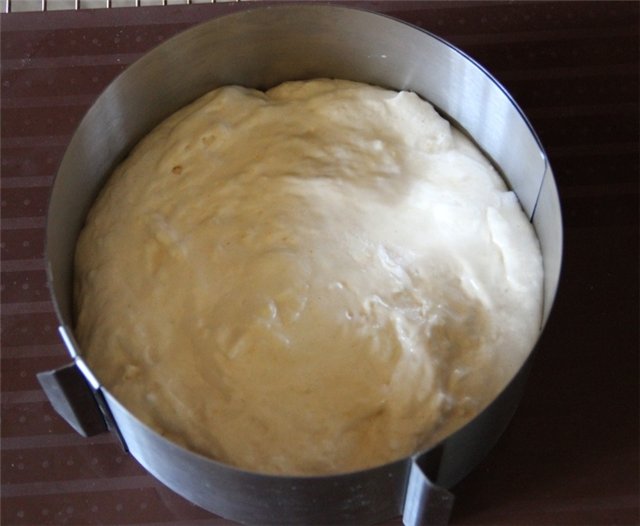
x,y
425,502
76,395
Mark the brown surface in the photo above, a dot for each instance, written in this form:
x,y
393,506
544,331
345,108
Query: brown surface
x,y
571,454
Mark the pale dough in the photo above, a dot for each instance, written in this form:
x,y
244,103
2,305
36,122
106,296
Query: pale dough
x,y
316,279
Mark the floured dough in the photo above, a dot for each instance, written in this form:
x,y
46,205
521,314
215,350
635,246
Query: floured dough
x,y
316,279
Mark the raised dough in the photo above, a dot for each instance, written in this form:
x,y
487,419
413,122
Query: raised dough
x,y
316,279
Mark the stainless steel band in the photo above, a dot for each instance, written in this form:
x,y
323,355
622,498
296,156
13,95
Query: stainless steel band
x,y
10,6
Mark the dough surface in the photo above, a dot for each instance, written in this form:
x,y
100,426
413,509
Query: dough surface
x,y
317,279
